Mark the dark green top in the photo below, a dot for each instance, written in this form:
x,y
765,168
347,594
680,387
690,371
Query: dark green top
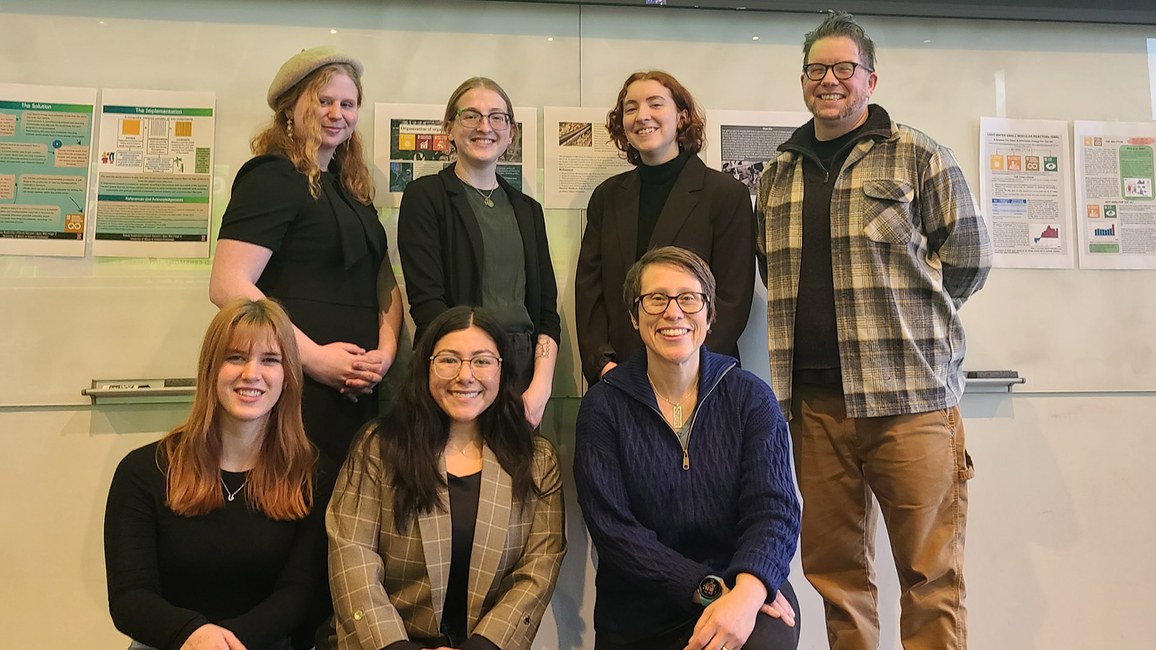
x,y
504,280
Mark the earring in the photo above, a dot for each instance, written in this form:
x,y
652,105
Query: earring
x,y
289,128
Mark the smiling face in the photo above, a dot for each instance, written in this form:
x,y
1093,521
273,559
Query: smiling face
x,y
482,145
335,111
249,381
839,105
466,396
651,120
672,336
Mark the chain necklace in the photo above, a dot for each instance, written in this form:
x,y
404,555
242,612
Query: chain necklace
x,y
486,197
676,407
232,495
473,444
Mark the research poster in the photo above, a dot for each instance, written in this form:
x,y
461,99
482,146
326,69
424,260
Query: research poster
x,y
1025,192
1116,194
742,143
154,173
409,142
45,133
579,155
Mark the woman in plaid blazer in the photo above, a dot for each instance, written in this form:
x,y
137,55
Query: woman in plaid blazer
x,y
446,524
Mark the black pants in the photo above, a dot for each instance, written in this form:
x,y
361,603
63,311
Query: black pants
x,y
769,634
522,353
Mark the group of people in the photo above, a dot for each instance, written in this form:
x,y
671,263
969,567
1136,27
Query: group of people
x,y
286,513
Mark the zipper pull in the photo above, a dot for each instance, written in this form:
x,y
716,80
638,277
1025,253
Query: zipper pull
x,y
685,459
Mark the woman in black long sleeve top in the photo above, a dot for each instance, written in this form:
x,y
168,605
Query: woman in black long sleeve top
x,y
215,535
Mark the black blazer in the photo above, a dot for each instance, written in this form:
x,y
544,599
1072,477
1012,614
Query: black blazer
x,y
708,212
440,244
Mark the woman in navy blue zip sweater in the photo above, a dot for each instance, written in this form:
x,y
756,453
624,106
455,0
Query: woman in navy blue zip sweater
x,y
683,475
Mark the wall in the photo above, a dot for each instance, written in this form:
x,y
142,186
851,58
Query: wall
x,y
1057,539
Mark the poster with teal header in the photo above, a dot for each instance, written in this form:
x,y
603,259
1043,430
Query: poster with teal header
x,y
45,133
154,184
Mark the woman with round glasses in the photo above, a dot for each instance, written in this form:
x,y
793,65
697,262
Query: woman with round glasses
x,y
214,536
446,525
671,198
683,474
300,227
467,237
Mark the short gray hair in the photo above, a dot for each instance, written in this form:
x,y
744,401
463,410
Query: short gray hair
x,y
841,23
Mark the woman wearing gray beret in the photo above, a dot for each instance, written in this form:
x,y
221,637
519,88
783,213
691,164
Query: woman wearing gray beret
x,y
300,227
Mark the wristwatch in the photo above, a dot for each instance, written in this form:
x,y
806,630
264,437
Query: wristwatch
x,y
710,589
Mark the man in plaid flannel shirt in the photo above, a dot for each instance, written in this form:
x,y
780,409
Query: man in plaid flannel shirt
x,y
873,242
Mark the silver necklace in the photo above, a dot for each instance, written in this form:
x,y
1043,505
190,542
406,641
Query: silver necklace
x,y
676,407
486,197
232,495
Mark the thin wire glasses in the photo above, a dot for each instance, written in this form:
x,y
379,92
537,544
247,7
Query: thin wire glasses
x,y
471,119
690,302
483,366
844,70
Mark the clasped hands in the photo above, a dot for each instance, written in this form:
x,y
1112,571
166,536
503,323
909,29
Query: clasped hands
x,y
348,368
729,620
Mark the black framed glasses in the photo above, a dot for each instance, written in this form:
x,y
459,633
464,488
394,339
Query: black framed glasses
x,y
690,302
471,119
448,366
844,70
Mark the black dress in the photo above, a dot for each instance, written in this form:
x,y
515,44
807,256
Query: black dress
x,y
326,255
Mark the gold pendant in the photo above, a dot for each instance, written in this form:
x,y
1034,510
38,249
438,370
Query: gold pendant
x,y
676,412
489,203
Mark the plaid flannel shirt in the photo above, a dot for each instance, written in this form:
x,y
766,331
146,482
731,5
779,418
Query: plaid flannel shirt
x,y
908,247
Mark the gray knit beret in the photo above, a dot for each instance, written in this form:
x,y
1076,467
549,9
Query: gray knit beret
x,y
300,65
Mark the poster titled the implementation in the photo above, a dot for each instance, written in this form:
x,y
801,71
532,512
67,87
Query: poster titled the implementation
x,y
45,132
1116,194
1025,193
409,142
742,143
154,174
579,155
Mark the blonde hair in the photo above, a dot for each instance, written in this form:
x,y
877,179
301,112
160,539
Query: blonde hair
x,y
468,85
302,144
281,483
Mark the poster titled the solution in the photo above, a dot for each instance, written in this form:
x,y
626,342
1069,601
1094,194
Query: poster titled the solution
x,y
45,132
154,174
1116,194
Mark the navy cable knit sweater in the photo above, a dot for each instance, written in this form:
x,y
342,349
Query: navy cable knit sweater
x,y
660,529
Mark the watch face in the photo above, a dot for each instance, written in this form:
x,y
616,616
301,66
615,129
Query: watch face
x,y
710,588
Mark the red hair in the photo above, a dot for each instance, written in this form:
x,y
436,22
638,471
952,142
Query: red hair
x,y
280,484
691,129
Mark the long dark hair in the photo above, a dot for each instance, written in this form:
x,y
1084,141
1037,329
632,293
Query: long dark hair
x,y
412,438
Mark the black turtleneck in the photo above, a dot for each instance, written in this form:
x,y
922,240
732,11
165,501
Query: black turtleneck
x,y
657,182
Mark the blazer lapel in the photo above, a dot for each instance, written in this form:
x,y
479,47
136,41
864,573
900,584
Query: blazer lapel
x,y
457,192
437,544
625,218
683,197
494,503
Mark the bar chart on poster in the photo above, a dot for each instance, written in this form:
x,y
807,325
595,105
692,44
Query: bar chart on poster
x,y
70,320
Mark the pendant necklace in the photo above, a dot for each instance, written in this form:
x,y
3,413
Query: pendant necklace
x,y
676,407
486,197
232,495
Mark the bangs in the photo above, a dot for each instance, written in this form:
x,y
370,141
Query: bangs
x,y
248,335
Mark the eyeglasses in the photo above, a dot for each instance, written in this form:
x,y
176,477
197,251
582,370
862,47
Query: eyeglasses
x,y
471,119
844,70
448,366
654,304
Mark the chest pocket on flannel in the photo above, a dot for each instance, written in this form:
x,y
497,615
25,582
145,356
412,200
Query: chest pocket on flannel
x,y
887,208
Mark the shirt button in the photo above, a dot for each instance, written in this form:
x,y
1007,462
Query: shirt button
x,y
357,615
